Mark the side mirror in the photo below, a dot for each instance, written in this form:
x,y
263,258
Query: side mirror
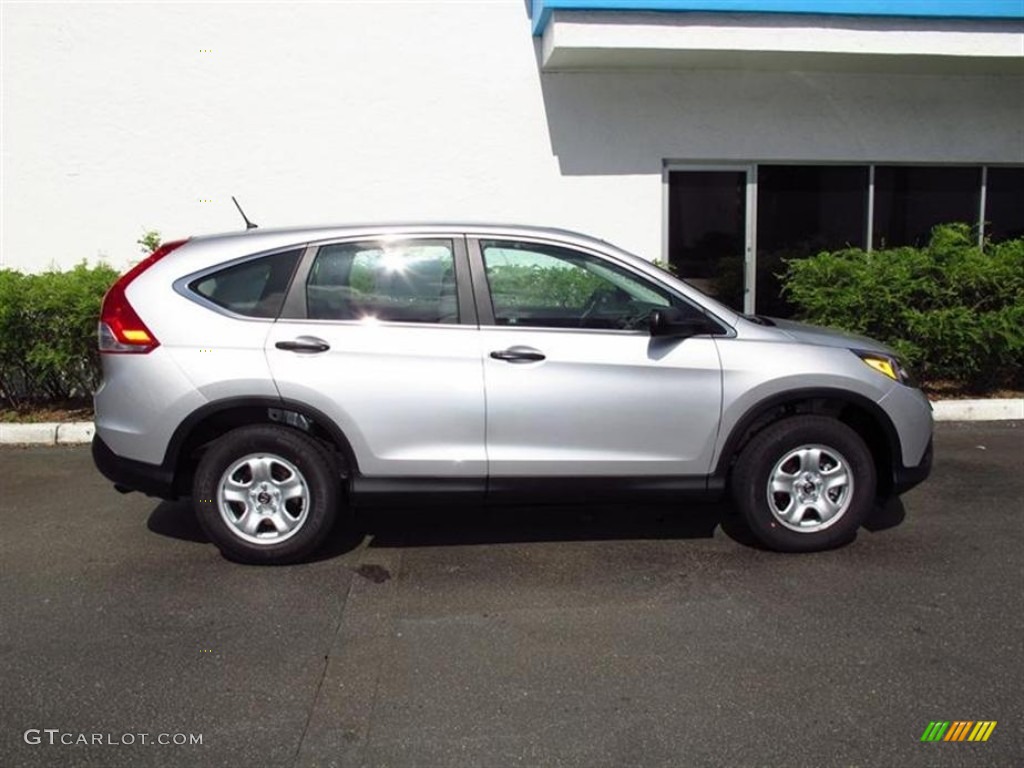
x,y
672,323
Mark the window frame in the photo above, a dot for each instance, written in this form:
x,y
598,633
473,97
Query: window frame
x,y
183,285
485,303
295,308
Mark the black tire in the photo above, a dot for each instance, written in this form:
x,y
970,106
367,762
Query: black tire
x,y
280,461
798,520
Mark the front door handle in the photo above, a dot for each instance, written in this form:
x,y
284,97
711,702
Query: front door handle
x,y
518,355
304,344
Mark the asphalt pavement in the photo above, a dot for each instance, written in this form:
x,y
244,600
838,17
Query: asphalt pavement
x,y
613,636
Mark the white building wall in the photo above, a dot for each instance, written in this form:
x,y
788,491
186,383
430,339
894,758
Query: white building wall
x,y
116,121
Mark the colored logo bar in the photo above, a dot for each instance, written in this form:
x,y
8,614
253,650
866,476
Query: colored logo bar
x,y
958,730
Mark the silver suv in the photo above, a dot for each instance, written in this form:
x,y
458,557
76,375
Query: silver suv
x,y
280,376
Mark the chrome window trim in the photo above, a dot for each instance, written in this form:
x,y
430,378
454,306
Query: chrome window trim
x,y
375,324
728,332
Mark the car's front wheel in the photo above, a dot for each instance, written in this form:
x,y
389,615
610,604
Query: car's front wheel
x,y
266,494
805,483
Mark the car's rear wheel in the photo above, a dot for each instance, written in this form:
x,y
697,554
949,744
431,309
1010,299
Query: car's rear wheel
x,y
266,494
805,483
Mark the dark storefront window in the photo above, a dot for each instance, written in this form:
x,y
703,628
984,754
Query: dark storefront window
x,y
803,210
910,200
707,224
1004,203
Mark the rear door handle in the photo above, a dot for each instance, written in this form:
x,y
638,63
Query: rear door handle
x,y
304,344
518,355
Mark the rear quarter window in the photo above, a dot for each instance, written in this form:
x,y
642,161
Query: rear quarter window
x,y
254,288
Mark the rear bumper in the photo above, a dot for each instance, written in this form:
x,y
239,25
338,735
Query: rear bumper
x,y
130,475
905,478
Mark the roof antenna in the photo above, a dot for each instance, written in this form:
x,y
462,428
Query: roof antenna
x,y
248,224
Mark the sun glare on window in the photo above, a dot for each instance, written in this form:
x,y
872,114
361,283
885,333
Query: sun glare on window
x,y
393,261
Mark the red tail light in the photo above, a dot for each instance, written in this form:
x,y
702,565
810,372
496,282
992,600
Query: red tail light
x,y
121,329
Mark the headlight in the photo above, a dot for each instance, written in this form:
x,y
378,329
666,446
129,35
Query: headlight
x,y
887,365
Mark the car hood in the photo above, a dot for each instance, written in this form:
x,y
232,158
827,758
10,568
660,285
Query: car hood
x,y
829,337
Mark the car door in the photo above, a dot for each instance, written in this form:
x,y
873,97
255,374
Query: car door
x,y
576,385
380,335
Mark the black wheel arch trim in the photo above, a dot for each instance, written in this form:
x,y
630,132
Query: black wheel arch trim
x,y
186,428
764,406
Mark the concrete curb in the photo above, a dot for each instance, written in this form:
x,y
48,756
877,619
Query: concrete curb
x,y
49,433
25,434
79,432
74,432
979,410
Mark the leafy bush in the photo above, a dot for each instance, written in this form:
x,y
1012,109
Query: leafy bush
x,y
954,311
523,285
48,333
149,241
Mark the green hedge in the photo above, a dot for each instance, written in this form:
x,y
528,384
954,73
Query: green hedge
x,y
955,312
536,286
48,333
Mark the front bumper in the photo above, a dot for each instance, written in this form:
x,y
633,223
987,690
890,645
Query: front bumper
x,y
905,478
131,475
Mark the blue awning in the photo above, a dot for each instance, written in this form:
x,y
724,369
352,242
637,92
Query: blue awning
x,y
541,10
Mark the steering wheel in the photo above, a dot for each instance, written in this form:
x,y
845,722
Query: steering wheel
x,y
607,296
595,299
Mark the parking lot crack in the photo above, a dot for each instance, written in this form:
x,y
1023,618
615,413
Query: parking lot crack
x,y
339,722
323,673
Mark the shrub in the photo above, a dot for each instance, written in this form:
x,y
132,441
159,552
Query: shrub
x,y
953,310
48,333
542,286
149,241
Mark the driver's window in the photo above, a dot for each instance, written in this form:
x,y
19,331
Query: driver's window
x,y
550,287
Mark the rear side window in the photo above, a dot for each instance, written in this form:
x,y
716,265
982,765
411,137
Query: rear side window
x,y
254,288
407,282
